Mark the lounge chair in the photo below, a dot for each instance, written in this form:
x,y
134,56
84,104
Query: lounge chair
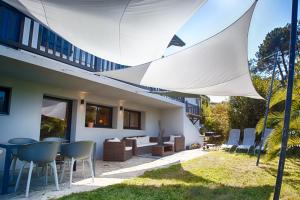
x,y
248,140
264,140
233,140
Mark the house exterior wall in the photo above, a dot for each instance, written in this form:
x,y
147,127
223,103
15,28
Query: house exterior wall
x,y
170,119
25,115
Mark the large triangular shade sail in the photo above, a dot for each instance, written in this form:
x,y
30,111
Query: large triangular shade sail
x,y
217,66
128,32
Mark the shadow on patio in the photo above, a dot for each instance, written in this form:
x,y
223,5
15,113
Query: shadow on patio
x,y
107,173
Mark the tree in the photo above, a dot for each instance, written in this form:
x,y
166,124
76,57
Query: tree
x,y
216,118
245,112
276,118
277,39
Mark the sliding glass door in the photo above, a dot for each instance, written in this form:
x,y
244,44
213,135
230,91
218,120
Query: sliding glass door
x,y
56,118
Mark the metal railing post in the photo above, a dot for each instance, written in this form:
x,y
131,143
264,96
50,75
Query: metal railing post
x,y
267,109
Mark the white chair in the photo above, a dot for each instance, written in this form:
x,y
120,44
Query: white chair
x,y
77,151
267,133
43,153
248,140
233,140
18,141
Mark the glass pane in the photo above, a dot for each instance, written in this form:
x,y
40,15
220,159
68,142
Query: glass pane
x,y
35,34
58,45
126,119
134,120
104,116
83,57
26,31
77,53
88,60
90,114
2,101
54,118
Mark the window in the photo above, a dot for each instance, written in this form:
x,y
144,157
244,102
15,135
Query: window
x,y
4,100
98,116
132,119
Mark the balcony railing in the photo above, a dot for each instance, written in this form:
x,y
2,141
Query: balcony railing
x,y
21,32
192,109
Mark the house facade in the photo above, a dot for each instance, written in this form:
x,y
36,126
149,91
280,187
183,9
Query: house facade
x,y
48,88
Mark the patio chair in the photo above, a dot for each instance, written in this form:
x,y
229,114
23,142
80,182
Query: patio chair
x,y
141,144
77,151
233,140
248,140
178,142
116,150
43,153
59,158
267,133
18,141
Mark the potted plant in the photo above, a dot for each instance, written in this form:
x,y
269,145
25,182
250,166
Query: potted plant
x,y
90,119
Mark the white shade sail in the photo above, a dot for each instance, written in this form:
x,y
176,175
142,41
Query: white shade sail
x,y
217,66
128,32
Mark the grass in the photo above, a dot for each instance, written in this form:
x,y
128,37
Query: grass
x,y
217,175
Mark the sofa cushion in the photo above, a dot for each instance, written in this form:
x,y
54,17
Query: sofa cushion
x,y
128,148
147,144
114,140
169,142
142,140
172,137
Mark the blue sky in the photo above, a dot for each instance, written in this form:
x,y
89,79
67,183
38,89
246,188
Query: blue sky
x,y
216,15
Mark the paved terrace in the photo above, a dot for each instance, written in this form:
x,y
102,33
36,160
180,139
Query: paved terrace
x,y
107,173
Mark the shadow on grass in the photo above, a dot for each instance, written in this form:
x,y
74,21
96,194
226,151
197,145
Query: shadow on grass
x,y
191,187
175,172
174,192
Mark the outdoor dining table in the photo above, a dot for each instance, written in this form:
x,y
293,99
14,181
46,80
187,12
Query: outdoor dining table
x,y
7,163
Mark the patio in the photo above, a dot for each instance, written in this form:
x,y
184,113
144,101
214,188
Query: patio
x,y
107,173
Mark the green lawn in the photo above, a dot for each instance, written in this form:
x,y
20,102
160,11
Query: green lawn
x,y
217,175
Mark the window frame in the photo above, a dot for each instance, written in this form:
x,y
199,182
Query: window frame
x,y
97,125
7,100
139,119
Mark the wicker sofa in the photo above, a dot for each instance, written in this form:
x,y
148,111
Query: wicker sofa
x,y
116,150
178,142
141,144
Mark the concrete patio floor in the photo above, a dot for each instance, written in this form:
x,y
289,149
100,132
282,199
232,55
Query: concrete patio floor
x,y
107,173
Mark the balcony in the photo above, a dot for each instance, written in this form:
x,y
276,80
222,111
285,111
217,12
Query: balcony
x,y
193,112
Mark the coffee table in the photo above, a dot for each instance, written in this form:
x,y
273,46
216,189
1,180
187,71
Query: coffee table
x,y
162,150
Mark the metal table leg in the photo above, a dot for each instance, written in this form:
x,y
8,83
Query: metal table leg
x,y
5,181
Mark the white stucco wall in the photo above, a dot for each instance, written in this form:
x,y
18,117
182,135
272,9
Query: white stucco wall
x,y
25,118
191,133
175,122
172,121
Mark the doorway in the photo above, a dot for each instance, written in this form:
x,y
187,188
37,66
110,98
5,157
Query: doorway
x,y
56,118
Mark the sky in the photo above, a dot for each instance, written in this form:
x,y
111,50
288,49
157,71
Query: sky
x,y
215,15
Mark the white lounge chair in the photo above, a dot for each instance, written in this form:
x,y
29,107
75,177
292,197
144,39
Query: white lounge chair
x,y
266,135
233,140
248,141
